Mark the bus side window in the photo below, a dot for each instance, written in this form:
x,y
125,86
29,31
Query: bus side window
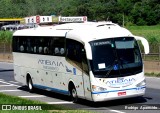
x,y
40,50
23,45
57,44
74,55
41,44
21,48
56,50
62,51
28,45
35,49
84,62
16,44
35,43
46,50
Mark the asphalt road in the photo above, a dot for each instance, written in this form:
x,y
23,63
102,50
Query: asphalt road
x,y
151,99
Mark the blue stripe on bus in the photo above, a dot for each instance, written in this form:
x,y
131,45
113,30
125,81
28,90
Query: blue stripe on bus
x,y
52,89
119,90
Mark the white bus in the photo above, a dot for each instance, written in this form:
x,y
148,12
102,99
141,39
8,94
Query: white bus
x,y
93,61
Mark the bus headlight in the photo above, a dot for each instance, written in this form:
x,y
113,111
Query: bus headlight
x,y
97,88
142,83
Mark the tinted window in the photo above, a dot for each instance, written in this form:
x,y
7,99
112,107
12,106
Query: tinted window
x,y
115,57
74,52
39,45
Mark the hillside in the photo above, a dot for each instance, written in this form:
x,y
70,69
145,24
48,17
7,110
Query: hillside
x,y
139,12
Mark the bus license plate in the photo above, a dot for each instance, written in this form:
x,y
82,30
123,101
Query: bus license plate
x,y
121,93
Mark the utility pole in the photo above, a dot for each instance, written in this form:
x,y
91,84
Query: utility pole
x,y
123,19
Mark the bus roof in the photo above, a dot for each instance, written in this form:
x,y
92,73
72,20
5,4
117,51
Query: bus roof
x,y
83,32
40,31
98,31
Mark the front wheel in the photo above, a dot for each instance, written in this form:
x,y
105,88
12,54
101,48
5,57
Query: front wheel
x,y
30,85
73,93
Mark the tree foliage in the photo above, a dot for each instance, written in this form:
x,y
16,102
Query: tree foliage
x,y
139,12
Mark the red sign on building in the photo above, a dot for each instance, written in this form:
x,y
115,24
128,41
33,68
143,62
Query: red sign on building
x,y
37,19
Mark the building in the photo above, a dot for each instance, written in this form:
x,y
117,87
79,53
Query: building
x,y
8,21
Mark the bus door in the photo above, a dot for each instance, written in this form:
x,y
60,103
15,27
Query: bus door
x,y
74,67
85,75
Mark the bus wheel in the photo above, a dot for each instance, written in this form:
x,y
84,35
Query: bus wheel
x,y
30,85
73,93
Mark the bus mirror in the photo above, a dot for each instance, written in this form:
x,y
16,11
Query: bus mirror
x,y
144,43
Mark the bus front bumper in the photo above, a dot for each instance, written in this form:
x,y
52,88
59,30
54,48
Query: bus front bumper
x,y
118,94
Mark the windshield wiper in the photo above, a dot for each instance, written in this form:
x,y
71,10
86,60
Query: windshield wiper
x,y
112,66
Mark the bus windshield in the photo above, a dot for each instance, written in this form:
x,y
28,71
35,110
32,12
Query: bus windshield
x,y
115,57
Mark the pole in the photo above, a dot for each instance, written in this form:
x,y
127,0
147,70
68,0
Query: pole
x,y
159,53
123,19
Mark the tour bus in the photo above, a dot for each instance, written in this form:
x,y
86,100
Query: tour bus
x,y
97,61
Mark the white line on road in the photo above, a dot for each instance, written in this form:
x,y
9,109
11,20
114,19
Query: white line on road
x,y
1,80
5,85
64,102
117,111
14,82
33,96
9,83
9,90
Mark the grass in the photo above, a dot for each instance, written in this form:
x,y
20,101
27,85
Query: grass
x,y
146,31
151,33
6,99
13,100
6,36
153,74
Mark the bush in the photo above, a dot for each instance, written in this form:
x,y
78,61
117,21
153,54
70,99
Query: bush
x,y
6,36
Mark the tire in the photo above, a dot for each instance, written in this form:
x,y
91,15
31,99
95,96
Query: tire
x,y
73,93
30,85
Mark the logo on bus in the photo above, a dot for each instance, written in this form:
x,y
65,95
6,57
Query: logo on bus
x,y
120,82
51,65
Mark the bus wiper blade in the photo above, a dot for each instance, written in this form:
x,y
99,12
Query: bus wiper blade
x,y
111,67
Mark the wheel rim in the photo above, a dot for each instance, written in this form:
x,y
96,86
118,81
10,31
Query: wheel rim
x,y
74,93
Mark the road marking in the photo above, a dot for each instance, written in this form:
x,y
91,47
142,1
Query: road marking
x,y
33,96
14,82
5,85
64,102
117,111
9,83
9,90
1,79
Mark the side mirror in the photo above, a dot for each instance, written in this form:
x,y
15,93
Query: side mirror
x,y
144,42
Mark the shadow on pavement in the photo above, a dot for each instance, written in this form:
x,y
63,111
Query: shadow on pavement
x,y
47,93
85,104
5,70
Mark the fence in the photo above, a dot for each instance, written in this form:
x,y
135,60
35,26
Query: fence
x,y
151,61
6,52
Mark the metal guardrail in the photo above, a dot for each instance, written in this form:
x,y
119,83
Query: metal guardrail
x,y
151,57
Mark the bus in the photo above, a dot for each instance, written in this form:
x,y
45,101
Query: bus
x,y
96,61
15,27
